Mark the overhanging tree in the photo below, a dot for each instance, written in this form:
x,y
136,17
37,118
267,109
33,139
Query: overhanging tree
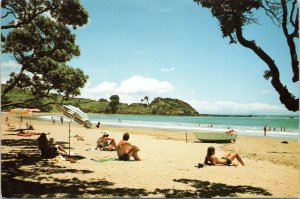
x,y
234,15
40,40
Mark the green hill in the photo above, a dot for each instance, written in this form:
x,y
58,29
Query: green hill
x,y
159,106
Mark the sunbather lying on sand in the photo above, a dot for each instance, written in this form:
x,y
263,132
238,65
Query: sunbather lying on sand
x,y
79,137
105,142
226,160
29,133
36,133
125,150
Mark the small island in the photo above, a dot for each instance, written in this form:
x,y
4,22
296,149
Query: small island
x,y
159,106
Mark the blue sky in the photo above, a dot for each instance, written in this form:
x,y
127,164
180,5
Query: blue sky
x,y
174,48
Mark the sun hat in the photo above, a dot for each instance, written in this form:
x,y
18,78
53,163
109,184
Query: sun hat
x,y
106,133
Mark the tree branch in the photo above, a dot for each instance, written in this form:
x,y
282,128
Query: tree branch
x,y
285,96
296,31
6,15
290,42
13,84
292,13
21,102
26,21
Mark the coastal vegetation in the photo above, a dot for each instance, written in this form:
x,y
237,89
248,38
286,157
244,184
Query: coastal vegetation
x,y
38,37
159,106
233,16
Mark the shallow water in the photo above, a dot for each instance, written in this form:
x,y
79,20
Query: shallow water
x,y
285,126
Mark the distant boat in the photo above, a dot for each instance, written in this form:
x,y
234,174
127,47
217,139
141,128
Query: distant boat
x,y
215,136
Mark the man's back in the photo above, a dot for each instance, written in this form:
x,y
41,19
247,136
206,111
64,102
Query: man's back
x,y
121,147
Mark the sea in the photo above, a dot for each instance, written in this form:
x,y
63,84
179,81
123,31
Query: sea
x,y
278,126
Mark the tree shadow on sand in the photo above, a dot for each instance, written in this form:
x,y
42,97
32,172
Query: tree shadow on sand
x,y
39,180
205,189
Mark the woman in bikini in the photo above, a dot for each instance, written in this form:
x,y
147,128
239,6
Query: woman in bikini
x,y
226,160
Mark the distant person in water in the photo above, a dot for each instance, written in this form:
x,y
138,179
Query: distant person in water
x,y
265,130
125,150
226,160
106,143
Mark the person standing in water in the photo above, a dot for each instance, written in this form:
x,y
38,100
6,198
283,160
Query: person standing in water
x,y
265,130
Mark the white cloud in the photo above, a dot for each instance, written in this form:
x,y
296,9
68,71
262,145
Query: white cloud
x,y
10,64
166,70
228,107
129,90
142,85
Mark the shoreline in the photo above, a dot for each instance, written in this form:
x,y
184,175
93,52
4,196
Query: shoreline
x,y
189,127
167,168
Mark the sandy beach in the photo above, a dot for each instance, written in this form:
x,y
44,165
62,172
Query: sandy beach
x,y
167,168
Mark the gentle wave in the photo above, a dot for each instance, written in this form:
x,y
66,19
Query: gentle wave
x,y
166,123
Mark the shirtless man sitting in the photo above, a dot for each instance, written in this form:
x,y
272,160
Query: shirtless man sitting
x,y
125,150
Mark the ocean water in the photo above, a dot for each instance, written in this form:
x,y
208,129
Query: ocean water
x,y
283,126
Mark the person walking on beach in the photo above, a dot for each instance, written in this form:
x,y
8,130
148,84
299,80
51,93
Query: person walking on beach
x,y
98,125
228,158
265,130
61,119
125,150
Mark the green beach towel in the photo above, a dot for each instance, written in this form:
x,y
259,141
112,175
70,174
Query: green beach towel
x,y
105,160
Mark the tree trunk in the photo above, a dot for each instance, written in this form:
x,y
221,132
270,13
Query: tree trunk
x,y
285,96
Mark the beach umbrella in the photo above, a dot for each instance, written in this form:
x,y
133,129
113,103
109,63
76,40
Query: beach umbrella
x,y
75,114
20,111
24,111
32,110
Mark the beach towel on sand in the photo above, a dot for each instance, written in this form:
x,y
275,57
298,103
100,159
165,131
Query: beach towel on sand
x,y
105,160
25,134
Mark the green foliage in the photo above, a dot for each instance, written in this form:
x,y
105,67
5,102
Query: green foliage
x,y
42,46
159,106
103,100
114,102
168,106
20,95
231,14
